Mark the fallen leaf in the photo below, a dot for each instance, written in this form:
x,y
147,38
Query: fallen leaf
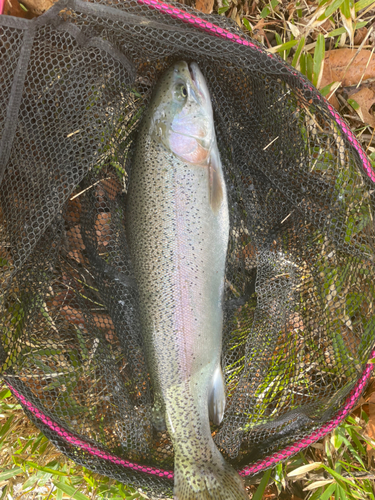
x,y
248,253
73,212
75,238
37,7
259,33
370,429
205,6
112,187
304,469
360,403
76,317
360,35
76,244
370,389
13,8
103,229
336,69
365,98
324,28
295,322
318,484
336,62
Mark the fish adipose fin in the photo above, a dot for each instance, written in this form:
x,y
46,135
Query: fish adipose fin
x,y
216,399
215,179
216,480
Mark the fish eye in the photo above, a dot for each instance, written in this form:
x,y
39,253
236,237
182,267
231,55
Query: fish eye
x,y
181,92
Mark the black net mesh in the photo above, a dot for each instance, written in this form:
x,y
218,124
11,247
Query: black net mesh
x,y
299,286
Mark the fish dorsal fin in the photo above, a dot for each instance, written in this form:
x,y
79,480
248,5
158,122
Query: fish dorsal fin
x,y
215,179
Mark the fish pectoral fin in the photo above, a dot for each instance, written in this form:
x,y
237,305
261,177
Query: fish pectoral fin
x,y
216,399
216,192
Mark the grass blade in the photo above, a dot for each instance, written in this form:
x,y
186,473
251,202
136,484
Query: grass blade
x,y
69,490
328,492
262,486
46,469
332,7
304,468
7,474
296,56
247,24
346,18
5,428
362,4
318,64
309,67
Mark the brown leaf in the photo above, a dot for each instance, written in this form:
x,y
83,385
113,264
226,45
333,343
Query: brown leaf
x,y
248,252
295,322
112,187
371,426
369,390
103,229
259,33
38,6
102,321
75,238
360,403
336,62
73,212
365,98
75,243
13,8
360,35
205,6
323,28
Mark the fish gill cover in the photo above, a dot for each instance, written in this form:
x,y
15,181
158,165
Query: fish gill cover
x,y
299,324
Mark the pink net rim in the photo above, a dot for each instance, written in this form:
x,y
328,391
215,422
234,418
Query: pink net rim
x,y
168,474
355,393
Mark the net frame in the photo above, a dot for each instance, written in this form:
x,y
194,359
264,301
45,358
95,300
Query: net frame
x,y
54,430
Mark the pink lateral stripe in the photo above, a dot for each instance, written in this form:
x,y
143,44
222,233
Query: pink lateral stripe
x,y
2,5
223,33
93,450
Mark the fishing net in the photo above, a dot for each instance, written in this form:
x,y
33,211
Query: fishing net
x,y
299,323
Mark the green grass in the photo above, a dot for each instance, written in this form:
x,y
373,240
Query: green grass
x,y
31,466
338,467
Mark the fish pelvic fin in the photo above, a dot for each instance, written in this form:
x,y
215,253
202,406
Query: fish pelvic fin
x,y
215,480
216,181
216,400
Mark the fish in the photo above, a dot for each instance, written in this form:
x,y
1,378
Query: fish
x,y
177,221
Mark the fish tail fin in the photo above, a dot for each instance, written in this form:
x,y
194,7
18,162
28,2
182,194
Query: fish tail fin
x,y
215,480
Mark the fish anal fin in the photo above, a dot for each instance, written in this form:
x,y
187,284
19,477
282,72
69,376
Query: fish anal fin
x,y
216,399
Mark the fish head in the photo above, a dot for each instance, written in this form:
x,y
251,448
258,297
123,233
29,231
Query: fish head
x,y
182,117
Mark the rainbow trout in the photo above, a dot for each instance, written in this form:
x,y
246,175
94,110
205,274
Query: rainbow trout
x,y
178,227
